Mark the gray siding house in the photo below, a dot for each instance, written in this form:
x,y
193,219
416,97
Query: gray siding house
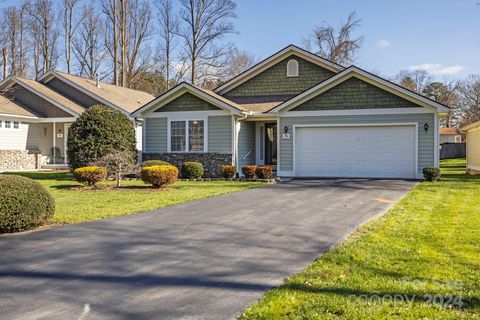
x,y
301,114
35,116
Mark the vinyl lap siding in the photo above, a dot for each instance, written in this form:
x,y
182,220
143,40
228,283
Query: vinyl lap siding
x,y
220,134
425,139
13,139
156,135
246,143
473,150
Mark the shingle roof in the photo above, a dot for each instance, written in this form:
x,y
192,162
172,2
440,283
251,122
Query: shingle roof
x,y
124,98
221,98
46,91
260,103
10,107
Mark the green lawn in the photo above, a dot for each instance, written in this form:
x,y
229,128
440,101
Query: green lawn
x,y
76,205
426,248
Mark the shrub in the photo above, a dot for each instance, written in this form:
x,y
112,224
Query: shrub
x,y
159,176
264,172
192,170
118,163
249,171
150,163
24,204
228,172
431,174
90,175
95,133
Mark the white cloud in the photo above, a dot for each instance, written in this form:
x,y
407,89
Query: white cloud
x,y
383,43
437,69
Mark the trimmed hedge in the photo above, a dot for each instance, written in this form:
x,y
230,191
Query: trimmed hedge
x,y
249,171
228,172
24,204
149,163
90,175
192,170
97,132
432,174
159,176
264,172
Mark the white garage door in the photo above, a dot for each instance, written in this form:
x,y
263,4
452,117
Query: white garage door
x,y
357,152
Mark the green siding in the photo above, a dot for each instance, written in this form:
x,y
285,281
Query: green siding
x,y
274,80
187,102
354,94
220,134
156,135
425,139
246,143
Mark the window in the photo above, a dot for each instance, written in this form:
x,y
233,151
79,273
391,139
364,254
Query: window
x,y
8,124
0,123
292,68
178,136
16,125
187,136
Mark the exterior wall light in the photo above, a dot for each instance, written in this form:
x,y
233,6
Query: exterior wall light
x,y
285,129
425,126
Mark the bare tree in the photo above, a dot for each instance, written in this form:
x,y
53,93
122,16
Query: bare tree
x,y
237,61
445,92
206,21
69,27
469,90
110,9
169,24
88,47
45,34
339,46
415,80
14,23
123,41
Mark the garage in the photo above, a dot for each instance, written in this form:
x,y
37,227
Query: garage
x,y
356,151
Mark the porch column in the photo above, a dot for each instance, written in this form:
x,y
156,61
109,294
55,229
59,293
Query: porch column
x,y
54,143
64,143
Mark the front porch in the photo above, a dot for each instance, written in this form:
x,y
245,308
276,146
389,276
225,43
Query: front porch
x,y
49,139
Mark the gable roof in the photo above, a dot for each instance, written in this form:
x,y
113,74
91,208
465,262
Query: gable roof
x,y
13,108
258,104
45,93
117,97
272,60
201,93
363,75
471,126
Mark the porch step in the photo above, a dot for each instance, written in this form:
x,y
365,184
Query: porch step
x,y
55,166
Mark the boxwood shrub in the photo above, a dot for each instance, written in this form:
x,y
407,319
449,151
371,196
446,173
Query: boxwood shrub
x,y
192,170
149,163
90,175
228,172
24,204
249,171
432,174
264,172
159,176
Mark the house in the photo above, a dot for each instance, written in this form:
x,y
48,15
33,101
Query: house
x,y
303,115
473,147
450,135
35,115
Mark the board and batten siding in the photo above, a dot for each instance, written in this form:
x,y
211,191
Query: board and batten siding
x,y
246,143
426,144
473,149
219,134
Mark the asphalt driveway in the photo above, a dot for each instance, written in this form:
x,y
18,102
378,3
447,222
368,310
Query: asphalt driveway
x,y
206,259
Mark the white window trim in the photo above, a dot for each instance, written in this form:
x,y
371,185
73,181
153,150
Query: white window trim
x,y
292,68
193,118
12,128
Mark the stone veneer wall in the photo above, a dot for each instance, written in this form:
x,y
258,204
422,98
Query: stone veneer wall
x,y
17,160
212,162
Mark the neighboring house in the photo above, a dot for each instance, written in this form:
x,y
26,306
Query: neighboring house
x,y
300,113
450,135
35,115
473,147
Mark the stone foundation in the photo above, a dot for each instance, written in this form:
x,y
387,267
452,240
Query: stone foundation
x,y
19,160
212,162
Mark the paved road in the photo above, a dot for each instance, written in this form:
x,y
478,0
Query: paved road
x,y
207,259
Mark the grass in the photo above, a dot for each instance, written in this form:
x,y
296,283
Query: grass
x,y
76,205
419,261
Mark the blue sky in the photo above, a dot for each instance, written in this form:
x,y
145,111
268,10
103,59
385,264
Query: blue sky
x,y
442,36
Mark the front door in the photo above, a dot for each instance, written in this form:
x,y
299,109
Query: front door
x,y
271,144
